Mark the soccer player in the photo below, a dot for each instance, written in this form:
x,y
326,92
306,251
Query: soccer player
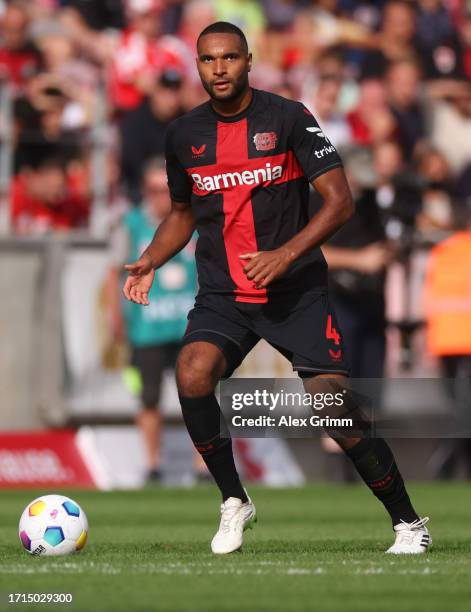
x,y
239,168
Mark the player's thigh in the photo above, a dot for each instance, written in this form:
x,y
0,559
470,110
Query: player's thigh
x,y
214,345
224,329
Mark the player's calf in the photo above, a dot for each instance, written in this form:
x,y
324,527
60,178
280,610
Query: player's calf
x,y
199,367
375,463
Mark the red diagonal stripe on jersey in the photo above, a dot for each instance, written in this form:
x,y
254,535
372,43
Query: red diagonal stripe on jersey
x,y
239,226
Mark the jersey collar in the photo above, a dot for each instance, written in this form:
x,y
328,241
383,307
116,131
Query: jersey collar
x,y
242,115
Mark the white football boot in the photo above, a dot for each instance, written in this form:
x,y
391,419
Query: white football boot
x,y
411,538
236,517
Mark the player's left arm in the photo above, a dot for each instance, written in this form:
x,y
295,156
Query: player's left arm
x,y
323,167
264,267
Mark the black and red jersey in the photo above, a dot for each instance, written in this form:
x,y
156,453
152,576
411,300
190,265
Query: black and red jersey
x,y
247,180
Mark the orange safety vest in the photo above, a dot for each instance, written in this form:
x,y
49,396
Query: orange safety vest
x,y
448,296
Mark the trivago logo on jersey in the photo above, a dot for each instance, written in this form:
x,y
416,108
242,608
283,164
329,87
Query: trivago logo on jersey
x,y
319,153
234,179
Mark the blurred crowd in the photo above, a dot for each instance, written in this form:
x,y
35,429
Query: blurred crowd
x,y
88,88
389,81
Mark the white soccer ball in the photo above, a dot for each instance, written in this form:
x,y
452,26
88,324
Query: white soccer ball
x,y
53,525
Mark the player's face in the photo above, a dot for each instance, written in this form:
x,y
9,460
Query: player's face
x,y
223,65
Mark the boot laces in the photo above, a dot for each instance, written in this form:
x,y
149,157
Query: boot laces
x,y
407,535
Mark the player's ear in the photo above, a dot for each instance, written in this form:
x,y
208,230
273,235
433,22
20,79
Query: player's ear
x,y
249,61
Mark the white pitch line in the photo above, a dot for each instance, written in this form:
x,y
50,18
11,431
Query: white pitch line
x,y
219,567
49,567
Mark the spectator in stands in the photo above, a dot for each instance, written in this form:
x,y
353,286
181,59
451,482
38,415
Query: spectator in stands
x,y
20,59
45,199
437,198
279,13
451,123
317,30
394,41
332,65
153,332
94,26
61,58
333,27
325,108
403,89
438,43
141,54
196,15
48,116
143,130
63,106
371,121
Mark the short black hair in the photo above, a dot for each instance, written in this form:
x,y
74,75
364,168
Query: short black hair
x,y
224,27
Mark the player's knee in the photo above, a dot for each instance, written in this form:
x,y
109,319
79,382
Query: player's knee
x,y
197,371
345,415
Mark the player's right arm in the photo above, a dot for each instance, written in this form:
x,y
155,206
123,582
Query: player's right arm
x,y
172,234
170,237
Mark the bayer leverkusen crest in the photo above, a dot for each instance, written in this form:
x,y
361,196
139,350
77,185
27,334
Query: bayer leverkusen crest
x,y
265,141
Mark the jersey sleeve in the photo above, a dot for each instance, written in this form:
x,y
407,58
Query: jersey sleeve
x,y
311,146
179,183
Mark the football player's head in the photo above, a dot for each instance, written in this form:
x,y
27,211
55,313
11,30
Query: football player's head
x,y
223,61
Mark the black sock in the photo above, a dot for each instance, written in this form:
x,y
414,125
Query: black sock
x,y
375,463
202,417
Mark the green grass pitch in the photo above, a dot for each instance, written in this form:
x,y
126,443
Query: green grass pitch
x,y
315,548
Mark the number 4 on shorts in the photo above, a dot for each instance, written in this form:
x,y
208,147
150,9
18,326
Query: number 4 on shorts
x,y
331,333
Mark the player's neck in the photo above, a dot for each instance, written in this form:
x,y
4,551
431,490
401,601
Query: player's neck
x,y
229,108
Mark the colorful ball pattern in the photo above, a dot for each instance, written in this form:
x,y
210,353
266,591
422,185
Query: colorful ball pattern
x,y
53,525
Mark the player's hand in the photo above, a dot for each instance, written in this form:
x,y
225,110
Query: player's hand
x,y
264,267
139,281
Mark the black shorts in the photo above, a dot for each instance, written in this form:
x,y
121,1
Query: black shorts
x,y
303,328
151,361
